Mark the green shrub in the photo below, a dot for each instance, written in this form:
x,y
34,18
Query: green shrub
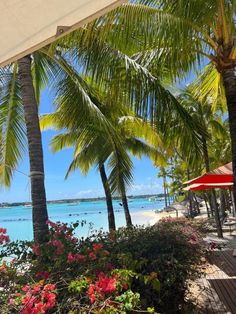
x,y
172,251
144,270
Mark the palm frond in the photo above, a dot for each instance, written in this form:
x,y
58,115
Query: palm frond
x,y
208,86
12,127
120,166
139,148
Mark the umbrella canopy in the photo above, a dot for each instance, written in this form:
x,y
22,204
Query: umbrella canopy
x,y
27,25
206,186
223,174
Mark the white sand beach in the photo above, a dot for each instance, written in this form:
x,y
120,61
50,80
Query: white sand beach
x,y
152,217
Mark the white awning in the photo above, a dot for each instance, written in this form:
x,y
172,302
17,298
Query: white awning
x,y
27,25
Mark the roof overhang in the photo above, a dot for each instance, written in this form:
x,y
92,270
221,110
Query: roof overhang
x,y
28,25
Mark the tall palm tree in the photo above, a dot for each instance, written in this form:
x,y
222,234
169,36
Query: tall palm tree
x,y
38,195
211,120
121,74
175,37
21,84
92,146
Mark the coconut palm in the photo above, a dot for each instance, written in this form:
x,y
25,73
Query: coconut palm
x,y
211,121
178,36
122,75
21,84
93,147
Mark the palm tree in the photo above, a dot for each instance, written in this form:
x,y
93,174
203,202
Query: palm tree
x,y
211,121
122,76
40,215
19,117
175,37
107,190
21,84
92,146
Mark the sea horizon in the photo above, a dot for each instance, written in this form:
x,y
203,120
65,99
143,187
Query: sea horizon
x,y
84,199
18,219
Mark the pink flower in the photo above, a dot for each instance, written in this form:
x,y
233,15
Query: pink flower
x,y
26,288
51,224
3,236
70,258
59,246
36,249
92,256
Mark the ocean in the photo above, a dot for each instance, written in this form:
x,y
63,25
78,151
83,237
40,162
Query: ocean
x,y
18,219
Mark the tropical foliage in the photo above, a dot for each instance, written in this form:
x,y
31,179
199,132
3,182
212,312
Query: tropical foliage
x,y
93,146
132,274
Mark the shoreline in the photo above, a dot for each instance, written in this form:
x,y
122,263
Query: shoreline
x,y
150,217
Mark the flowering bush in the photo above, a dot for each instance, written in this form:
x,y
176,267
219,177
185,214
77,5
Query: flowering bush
x,y
36,298
65,275
139,270
172,250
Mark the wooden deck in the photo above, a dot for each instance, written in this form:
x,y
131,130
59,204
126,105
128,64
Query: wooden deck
x,y
225,261
226,290
217,291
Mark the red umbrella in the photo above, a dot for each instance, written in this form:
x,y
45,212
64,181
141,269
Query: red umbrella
x,y
198,187
223,174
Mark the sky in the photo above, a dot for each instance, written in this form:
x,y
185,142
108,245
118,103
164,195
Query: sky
x,y
77,185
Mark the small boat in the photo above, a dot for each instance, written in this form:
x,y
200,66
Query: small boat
x,y
27,205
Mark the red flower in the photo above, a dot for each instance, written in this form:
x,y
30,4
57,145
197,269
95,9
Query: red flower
x,y
49,287
97,246
3,268
104,285
42,274
38,299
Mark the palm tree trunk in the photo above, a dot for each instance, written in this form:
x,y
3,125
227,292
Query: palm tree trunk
x,y
190,197
38,195
229,80
205,153
126,209
164,187
217,216
110,210
207,208
213,200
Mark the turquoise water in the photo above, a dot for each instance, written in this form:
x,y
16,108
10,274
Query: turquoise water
x,y
18,220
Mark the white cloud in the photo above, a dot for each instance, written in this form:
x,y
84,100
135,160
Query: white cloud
x,y
142,188
90,193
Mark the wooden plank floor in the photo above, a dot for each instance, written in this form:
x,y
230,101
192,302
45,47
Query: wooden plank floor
x,y
225,261
217,290
226,290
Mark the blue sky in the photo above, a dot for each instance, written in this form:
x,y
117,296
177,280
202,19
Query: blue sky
x,y
77,186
